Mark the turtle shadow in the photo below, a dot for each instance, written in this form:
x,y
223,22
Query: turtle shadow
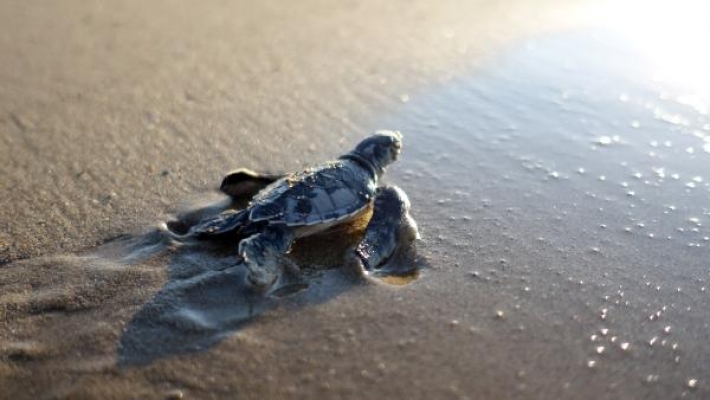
x,y
207,298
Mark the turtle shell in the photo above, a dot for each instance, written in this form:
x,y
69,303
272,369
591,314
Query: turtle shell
x,y
324,194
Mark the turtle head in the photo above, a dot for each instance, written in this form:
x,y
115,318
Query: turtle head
x,y
379,150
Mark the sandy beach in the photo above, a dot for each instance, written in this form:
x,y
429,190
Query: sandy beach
x,y
560,190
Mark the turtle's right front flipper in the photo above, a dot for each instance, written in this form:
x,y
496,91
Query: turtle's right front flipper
x,y
389,235
243,184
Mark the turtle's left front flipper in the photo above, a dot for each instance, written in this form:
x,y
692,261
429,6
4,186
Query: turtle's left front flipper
x,y
389,236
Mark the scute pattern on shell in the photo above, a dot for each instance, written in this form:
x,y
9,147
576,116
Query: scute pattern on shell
x,y
327,193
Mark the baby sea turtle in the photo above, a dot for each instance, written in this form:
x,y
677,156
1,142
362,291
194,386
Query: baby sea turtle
x,y
311,201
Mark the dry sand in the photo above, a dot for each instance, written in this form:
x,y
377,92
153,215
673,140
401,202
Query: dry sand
x,y
116,117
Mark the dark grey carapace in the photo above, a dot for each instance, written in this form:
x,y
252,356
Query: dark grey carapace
x,y
285,208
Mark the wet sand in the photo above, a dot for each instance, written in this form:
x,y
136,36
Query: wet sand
x,y
564,218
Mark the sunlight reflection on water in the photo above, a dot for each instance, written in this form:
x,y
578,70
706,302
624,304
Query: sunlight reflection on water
x,y
670,36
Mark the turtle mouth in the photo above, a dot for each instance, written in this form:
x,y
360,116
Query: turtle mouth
x,y
397,147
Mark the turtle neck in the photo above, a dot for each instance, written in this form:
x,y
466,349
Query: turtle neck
x,y
364,163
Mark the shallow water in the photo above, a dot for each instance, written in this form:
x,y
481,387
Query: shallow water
x,y
571,189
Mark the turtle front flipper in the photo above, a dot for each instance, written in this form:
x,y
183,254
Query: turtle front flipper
x,y
389,235
243,184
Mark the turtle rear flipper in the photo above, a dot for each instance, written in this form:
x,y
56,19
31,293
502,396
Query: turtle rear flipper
x,y
243,184
227,223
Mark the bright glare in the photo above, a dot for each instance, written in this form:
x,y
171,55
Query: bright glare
x,y
673,36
